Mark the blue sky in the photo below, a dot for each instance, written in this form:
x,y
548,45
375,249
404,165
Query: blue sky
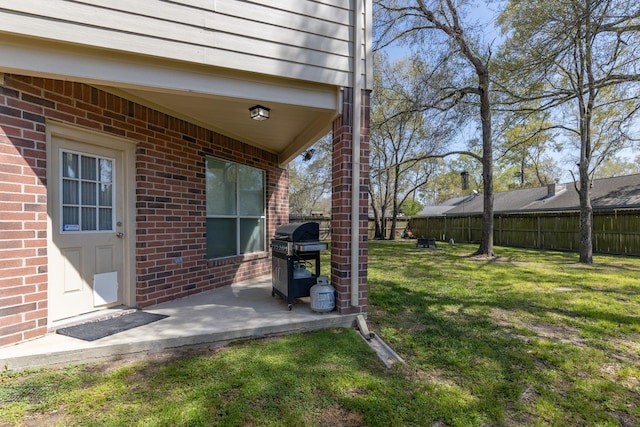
x,y
482,12
485,13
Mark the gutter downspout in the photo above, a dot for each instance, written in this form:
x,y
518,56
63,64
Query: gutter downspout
x,y
355,156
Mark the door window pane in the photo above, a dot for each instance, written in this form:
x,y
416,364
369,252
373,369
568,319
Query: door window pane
x,y
70,165
105,219
89,168
70,192
88,193
89,219
106,195
70,217
87,181
106,170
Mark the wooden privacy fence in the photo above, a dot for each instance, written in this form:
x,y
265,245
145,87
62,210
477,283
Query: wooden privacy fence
x,y
325,225
614,232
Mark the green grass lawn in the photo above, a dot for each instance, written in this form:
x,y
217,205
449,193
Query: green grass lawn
x,y
525,338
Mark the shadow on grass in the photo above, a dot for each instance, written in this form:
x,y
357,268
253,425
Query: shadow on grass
x,y
512,350
328,377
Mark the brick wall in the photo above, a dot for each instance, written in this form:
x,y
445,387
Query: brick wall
x,y
341,205
170,197
23,217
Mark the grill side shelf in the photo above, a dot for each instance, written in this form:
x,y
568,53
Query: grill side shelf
x,y
310,246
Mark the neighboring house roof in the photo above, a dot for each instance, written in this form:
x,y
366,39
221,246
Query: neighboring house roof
x,y
606,193
444,207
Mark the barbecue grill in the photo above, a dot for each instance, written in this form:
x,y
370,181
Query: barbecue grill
x,y
295,247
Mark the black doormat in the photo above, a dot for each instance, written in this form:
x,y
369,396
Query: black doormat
x,y
95,330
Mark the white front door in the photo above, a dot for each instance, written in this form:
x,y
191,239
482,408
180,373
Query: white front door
x,y
87,206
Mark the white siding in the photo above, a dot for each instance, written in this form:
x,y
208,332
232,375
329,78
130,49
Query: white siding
x,y
300,39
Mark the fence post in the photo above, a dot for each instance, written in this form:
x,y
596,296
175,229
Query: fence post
x,y
539,232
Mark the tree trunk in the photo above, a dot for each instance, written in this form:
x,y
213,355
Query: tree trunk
x,y
586,110
394,215
379,232
584,192
486,243
586,223
392,231
378,229
376,217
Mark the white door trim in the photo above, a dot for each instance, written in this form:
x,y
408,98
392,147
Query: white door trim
x,y
128,148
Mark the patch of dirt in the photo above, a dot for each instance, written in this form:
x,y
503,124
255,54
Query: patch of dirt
x,y
357,392
561,333
563,289
624,419
521,417
492,258
627,348
528,396
612,372
337,416
153,360
433,376
611,369
39,420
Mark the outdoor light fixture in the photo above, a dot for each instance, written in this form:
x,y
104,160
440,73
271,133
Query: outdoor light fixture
x,y
258,112
307,155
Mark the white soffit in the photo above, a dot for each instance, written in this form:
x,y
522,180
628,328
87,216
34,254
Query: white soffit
x,y
214,98
93,66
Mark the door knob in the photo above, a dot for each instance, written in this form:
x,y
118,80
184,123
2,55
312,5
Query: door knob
x,y
120,234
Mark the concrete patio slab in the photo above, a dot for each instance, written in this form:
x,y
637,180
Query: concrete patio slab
x,y
241,311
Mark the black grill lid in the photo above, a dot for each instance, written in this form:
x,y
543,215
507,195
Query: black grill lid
x,y
299,232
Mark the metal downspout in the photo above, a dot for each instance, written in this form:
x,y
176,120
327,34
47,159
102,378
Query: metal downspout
x,y
355,156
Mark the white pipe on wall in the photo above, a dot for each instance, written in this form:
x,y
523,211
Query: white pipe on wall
x,y
355,143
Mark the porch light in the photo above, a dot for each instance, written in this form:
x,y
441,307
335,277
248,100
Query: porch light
x,y
259,112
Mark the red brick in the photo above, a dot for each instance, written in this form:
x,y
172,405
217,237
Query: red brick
x,y
7,305
10,339
35,333
40,296
10,320
35,315
37,279
10,282
17,327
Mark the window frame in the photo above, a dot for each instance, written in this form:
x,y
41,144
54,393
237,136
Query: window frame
x,y
238,217
78,228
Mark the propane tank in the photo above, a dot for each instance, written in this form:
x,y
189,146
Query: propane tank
x,y
300,271
323,297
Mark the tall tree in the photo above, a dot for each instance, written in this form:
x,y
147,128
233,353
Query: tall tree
x,y
618,166
401,140
577,58
437,26
523,148
310,179
447,182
